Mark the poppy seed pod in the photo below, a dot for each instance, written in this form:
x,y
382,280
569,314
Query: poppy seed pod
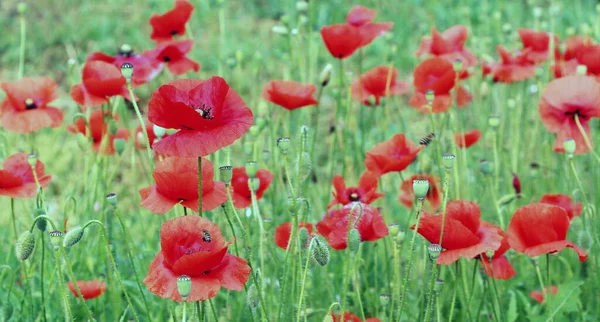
x,y
251,169
22,7
252,296
226,173
457,65
319,252
430,96
420,188
303,236
570,146
184,285
253,184
73,236
25,245
158,131
32,159
294,205
448,160
119,145
354,240
55,237
486,167
494,121
434,251
111,198
328,318
437,287
384,299
284,145
125,50
127,71
41,223
326,75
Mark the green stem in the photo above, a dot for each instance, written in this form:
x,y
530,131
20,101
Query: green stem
x,y
14,219
289,264
586,139
141,120
214,312
184,318
61,283
303,283
42,279
444,203
430,291
74,280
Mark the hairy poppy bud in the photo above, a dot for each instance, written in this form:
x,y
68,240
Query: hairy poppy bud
x,y
226,173
437,287
516,184
112,127
354,240
55,237
41,223
251,168
112,199
506,199
570,146
319,252
486,167
32,159
326,75
420,188
303,236
430,96
294,205
261,123
25,245
127,71
73,236
393,229
252,296
328,318
82,141
448,160
22,7
159,131
284,145
253,184
434,251
494,121
184,286
384,299
119,145
304,166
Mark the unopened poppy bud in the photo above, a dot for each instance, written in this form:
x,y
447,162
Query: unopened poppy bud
x,y
284,145
294,205
32,159
420,188
384,299
516,184
41,223
119,145
82,141
254,130
430,96
484,89
261,123
569,146
55,238
251,168
457,65
328,318
252,296
393,229
184,286
226,173
448,160
266,156
354,240
439,284
302,6
494,121
282,30
25,245
73,236
304,166
319,252
570,32
127,71
22,7
399,237
326,75
253,184
581,70
7,311
303,236
112,199
506,199
434,251
112,127
159,132
486,167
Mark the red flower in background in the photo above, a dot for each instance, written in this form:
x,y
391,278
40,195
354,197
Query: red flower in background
x,y
209,114
449,45
539,295
395,154
579,51
25,108
437,74
433,197
465,235
565,202
365,192
17,179
242,197
98,128
174,54
284,231
537,43
500,267
194,246
100,81
511,68
176,182
289,94
172,22
89,289
362,18
549,236
145,67
465,140
334,226
342,40
374,84
349,317
562,100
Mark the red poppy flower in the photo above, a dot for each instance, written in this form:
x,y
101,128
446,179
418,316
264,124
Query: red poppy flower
x,y
449,45
242,197
574,55
145,67
209,114
374,83
284,231
289,94
370,225
565,202
511,67
539,295
366,192
395,154
360,16
100,81
176,182
549,236
172,22
342,40
500,266
102,140
465,140
465,235
16,177
538,43
433,198
89,289
562,100
349,317
438,75
516,183
174,54
194,246
25,108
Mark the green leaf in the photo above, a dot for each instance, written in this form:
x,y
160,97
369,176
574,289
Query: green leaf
x,y
563,301
512,314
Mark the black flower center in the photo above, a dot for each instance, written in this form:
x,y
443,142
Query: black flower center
x,y
30,104
204,110
354,196
574,113
173,32
166,59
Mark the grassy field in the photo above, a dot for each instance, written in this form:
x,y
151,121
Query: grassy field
x,y
238,40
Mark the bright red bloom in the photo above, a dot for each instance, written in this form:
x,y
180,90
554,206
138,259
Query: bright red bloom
x,y
242,197
370,226
465,235
433,197
578,51
565,202
449,45
342,40
366,192
349,317
145,67
562,100
284,231
438,75
362,18
395,154
174,54
209,114
549,236
98,127
194,246
176,182
289,94
511,68
374,83
89,289
516,183
537,43
100,81
500,266
172,22
465,140
25,108
539,295
17,179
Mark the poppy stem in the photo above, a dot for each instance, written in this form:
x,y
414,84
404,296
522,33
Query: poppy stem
x,y
75,284
540,279
200,186
261,244
587,218
586,139
14,219
444,203
315,120
61,284
184,318
42,280
303,282
495,288
141,120
430,291
453,303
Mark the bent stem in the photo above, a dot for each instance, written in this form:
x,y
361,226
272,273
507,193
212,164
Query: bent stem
x,y
586,139
74,280
303,282
63,291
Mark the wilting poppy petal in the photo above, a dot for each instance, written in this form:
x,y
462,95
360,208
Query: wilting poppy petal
x,y
289,94
89,289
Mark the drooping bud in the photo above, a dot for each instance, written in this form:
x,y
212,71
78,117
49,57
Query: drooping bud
x,y
516,183
326,75
251,168
73,236
486,167
252,296
253,184
448,160
284,145
25,245
159,132
434,251
328,318
430,96
127,71
506,199
384,299
569,146
184,286
420,188
55,238
437,287
225,174
494,121
303,237
112,199
294,205
82,141
119,145
32,159
41,223
354,240
319,252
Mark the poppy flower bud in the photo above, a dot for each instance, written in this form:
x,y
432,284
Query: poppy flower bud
x,y
112,127
384,299
226,173
252,297
505,200
284,145
448,160
261,123
55,238
251,168
486,167
328,318
494,121
73,236
304,166
581,70
457,65
570,32
516,184
569,146
127,71
301,6
294,205
434,251
25,245
354,241
82,141
41,224
320,252
437,287
32,159
7,311
22,7
484,89
326,75
111,198
159,131
430,96
280,30
253,184
303,236
420,188
393,229
254,130
184,286
119,145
